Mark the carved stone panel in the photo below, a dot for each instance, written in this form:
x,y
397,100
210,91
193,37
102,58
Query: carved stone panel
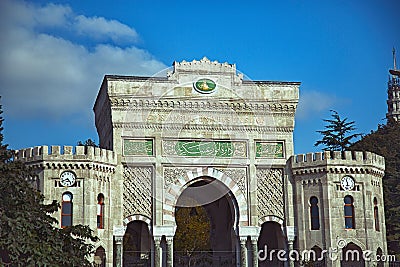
x,y
270,192
143,147
198,148
270,150
137,191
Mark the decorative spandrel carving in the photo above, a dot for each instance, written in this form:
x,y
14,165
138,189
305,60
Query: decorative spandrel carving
x,y
171,174
239,175
270,192
137,191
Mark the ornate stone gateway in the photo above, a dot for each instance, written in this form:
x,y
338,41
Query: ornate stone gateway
x,y
203,154
202,133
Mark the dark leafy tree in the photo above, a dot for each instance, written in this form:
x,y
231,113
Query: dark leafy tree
x,y
88,142
28,232
192,237
337,134
385,141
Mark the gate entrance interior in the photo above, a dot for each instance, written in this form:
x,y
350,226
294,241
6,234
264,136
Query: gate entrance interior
x,y
206,217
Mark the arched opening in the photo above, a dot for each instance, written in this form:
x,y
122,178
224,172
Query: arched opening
x,y
271,241
206,216
100,257
137,244
314,213
100,211
349,218
318,258
380,262
352,256
376,215
66,210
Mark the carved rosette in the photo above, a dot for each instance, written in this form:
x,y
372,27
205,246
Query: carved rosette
x,y
270,192
137,191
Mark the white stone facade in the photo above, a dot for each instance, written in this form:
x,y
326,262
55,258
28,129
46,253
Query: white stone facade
x,y
204,124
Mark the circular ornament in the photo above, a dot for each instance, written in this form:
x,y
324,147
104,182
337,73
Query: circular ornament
x,y
204,86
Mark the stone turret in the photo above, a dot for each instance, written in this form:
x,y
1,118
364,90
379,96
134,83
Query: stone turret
x,y
96,173
320,182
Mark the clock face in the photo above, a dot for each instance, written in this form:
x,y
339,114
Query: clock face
x,y
347,183
67,178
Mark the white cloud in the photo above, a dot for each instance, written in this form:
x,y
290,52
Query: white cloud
x,y
43,74
99,28
313,102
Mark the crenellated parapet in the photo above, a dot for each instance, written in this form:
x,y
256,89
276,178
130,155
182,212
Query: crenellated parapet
x,y
204,63
351,162
68,157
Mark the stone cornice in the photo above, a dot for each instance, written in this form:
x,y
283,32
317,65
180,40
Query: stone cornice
x,y
214,105
62,165
338,170
200,127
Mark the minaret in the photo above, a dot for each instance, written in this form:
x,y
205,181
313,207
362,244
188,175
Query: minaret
x,y
393,101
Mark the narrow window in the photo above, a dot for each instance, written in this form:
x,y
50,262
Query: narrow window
x,y
349,218
100,211
66,210
376,214
314,211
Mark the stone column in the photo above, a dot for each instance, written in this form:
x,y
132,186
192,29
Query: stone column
x,y
118,250
157,251
168,231
118,233
243,251
253,232
254,248
291,236
170,251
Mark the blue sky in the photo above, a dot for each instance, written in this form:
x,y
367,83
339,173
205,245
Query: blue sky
x,y
54,55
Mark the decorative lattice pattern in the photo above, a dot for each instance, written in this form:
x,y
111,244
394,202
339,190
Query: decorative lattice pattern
x,y
137,191
270,192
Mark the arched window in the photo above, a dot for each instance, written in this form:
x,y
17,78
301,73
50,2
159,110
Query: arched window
x,y
349,218
66,210
314,212
376,214
100,257
100,211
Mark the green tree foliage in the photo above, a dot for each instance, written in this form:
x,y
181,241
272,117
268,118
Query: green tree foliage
x,y
385,141
336,135
88,142
192,236
29,235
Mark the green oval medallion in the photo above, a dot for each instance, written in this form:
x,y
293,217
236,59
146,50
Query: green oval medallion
x,y
205,86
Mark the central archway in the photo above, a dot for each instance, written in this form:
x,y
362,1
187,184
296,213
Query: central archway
x,y
206,216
